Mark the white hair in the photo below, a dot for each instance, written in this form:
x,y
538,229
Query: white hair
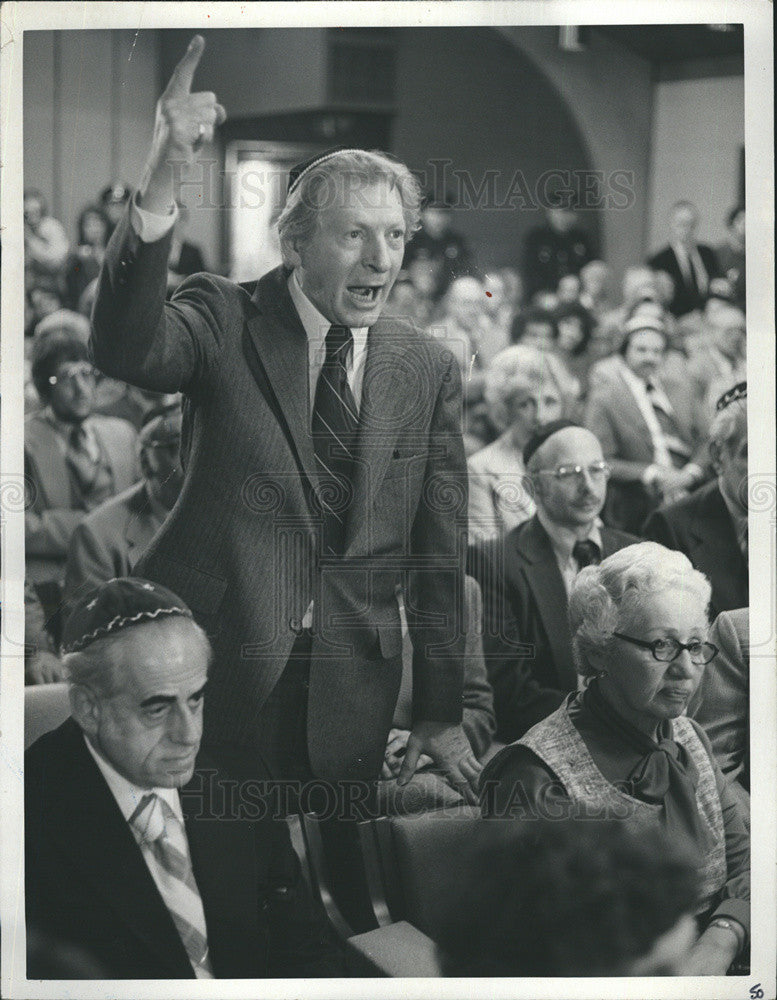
x,y
523,367
610,597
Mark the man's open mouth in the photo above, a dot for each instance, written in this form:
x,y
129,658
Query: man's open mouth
x,y
366,294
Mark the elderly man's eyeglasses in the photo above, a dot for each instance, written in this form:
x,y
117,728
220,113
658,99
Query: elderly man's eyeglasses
x,y
667,650
67,374
597,472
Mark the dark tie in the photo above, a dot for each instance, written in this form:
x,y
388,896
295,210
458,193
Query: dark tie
x,y
679,452
586,553
335,425
80,459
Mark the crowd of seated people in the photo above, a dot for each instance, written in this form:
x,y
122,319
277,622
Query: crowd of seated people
x,y
583,440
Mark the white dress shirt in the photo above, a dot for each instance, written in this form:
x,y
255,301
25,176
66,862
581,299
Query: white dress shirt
x,y
562,541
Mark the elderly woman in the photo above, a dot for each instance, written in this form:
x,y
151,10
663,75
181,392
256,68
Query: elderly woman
x,y
524,387
622,747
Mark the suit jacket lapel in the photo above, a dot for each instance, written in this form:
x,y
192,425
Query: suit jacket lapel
x,y
544,578
715,541
98,840
281,347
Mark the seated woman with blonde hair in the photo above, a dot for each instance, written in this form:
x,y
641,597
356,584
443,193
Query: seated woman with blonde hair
x,y
524,388
622,747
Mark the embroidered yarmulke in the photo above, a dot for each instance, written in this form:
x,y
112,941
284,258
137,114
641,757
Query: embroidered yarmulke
x,y
738,391
296,173
118,604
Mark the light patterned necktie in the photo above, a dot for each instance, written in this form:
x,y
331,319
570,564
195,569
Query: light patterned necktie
x,y
156,826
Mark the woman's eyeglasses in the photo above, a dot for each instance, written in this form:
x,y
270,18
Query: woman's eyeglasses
x,y
667,650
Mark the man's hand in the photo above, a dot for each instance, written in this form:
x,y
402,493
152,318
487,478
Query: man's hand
x,y
712,954
396,745
450,750
184,121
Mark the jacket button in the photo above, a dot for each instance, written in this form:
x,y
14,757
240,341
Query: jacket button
x,y
295,625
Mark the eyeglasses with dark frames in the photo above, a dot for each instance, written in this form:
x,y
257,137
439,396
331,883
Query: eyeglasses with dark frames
x,y
667,650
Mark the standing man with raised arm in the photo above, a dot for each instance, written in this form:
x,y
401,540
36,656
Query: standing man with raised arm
x,y
325,463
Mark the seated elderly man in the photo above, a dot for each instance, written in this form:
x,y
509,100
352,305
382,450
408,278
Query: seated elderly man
x,y
710,525
134,853
720,360
74,459
110,540
526,576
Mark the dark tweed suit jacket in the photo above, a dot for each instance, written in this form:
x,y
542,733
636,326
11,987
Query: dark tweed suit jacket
x,y
242,545
526,638
700,526
88,885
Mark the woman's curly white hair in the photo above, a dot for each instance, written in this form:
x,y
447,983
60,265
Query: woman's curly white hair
x,y
610,597
522,367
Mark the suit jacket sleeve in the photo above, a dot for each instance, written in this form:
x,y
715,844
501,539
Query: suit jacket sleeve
x,y
659,528
300,944
89,562
438,538
520,700
599,420
479,721
136,336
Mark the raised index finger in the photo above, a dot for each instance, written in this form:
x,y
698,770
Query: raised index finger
x,y
183,74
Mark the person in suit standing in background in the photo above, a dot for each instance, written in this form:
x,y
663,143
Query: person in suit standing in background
x,y
324,464
526,576
689,264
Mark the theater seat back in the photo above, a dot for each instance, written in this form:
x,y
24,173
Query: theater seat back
x,y
46,706
431,852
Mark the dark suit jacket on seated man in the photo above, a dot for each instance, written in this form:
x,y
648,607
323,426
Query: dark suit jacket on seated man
x,y
710,525
134,852
689,264
526,576
287,545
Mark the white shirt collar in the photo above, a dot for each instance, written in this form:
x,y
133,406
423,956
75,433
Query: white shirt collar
x,y
563,539
126,793
315,324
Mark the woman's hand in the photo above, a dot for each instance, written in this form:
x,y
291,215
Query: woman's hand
x,y
712,954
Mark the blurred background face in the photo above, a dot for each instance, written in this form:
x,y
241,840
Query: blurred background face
x,y
466,302
569,288
577,501
730,461
561,219
683,224
495,294
570,332
727,331
33,211
594,278
72,396
644,690
738,227
44,302
645,353
93,229
533,404
435,221
539,334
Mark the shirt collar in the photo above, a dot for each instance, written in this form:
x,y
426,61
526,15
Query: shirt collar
x,y
315,324
563,539
127,793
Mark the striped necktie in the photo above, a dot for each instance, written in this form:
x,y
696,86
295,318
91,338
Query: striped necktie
x,y
335,426
157,828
